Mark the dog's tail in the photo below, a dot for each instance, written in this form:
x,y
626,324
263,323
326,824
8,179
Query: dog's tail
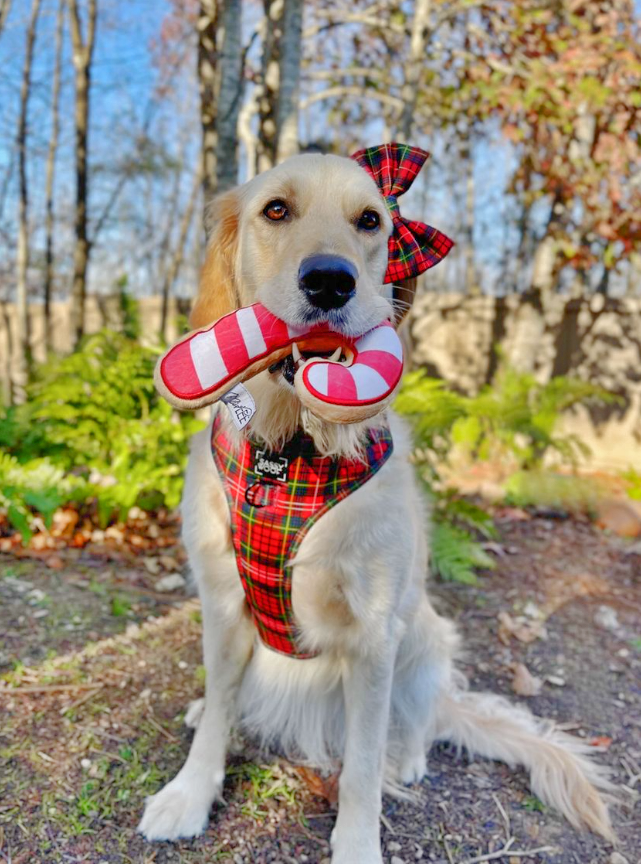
x,y
562,774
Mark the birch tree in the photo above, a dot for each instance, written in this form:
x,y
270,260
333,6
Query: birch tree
x,y
83,47
23,209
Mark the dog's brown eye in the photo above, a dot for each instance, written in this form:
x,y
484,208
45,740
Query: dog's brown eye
x,y
276,211
369,221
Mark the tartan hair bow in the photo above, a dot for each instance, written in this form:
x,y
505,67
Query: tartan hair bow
x,y
413,247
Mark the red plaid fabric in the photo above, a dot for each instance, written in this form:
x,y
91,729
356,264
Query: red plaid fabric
x,y
270,517
413,247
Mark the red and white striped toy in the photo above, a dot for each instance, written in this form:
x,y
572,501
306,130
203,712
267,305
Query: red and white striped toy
x,y
206,364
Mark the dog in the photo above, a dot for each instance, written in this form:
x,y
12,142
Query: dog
x,y
380,685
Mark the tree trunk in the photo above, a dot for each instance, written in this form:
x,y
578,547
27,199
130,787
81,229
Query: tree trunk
x,y
5,5
267,95
171,273
413,67
208,86
230,95
51,168
290,57
83,47
24,347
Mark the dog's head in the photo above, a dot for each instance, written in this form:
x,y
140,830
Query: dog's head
x,y
316,244
308,240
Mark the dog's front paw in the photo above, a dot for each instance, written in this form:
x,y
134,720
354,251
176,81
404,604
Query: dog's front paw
x,y
181,809
349,848
353,857
413,768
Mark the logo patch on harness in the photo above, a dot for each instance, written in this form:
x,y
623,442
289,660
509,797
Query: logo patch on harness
x,y
271,466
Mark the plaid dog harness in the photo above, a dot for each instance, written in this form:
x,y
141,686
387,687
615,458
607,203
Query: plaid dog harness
x,y
274,499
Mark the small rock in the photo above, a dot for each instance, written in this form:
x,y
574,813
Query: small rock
x,y
393,846
556,680
182,664
41,613
397,860
85,764
152,565
170,582
617,858
606,618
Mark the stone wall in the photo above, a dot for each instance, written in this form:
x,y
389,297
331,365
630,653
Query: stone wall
x,y
596,338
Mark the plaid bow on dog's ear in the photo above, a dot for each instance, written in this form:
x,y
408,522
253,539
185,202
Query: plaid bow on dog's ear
x,y
413,247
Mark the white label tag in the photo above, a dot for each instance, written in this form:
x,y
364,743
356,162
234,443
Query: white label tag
x,y
241,405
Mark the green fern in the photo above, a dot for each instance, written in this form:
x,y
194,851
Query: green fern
x,y
93,431
455,554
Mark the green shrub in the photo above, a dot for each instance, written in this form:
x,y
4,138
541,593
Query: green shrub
x,y
93,428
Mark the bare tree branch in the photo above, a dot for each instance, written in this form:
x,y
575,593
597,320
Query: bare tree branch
x,y
352,90
175,264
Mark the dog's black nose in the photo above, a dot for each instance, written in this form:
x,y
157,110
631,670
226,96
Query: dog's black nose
x,y
327,281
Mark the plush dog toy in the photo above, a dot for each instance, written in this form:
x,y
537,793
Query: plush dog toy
x,y
353,383
338,379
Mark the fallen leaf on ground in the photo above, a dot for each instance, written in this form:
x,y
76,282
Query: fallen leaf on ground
x,y
519,628
514,514
152,565
601,741
64,522
524,683
618,517
169,562
323,787
55,562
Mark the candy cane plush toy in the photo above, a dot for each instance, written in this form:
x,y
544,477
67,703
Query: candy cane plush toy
x,y
355,382
360,375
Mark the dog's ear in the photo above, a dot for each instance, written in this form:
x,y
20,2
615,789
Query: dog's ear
x,y
403,295
217,293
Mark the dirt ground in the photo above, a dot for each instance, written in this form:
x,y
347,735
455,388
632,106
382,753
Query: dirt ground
x,y
99,668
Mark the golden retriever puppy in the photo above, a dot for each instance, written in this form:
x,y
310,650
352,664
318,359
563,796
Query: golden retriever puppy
x,y
381,686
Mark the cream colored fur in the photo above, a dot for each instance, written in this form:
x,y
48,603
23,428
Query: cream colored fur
x,y
384,687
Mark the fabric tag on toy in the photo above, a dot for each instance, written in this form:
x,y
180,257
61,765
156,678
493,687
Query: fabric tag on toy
x,y
240,404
